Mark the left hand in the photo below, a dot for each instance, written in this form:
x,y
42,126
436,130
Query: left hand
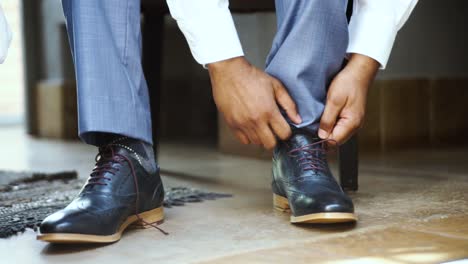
x,y
346,99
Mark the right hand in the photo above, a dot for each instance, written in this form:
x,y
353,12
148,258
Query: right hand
x,y
248,98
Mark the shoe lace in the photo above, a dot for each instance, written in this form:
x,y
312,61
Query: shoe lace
x,y
105,159
314,156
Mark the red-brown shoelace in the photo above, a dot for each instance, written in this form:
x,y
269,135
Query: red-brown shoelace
x,y
104,165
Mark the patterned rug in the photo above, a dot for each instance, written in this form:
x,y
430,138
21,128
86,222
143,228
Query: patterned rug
x,y
25,202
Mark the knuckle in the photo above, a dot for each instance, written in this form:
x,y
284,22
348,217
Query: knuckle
x,y
232,124
270,146
230,121
251,122
254,139
325,124
267,115
260,116
293,107
242,139
280,92
243,123
254,118
355,123
276,83
290,107
334,100
237,125
285,134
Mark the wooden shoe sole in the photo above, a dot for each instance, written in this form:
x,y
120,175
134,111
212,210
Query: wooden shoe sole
x,y
155,216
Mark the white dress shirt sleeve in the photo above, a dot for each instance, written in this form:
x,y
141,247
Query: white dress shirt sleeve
x,y
210,32
5,36
374,25
208,27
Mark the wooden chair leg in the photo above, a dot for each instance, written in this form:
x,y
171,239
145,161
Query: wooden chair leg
x,y
348,152
348,164
152,31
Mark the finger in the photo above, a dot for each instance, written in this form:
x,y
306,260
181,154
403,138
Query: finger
x,y
329,118
280,127
286,102
266,136
344,129
242,137
252,135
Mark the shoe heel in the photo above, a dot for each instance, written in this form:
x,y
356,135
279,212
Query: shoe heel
x,y
155,216
280,203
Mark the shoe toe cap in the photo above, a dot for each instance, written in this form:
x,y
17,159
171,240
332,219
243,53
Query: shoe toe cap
x,y
55,223
342,205
66,222
322,203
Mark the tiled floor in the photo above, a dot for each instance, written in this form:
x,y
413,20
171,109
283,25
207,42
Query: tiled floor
x,y
412,205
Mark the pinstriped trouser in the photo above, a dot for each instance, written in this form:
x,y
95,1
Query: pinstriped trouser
x,y
105,40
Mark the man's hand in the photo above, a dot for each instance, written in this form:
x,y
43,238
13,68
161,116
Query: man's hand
x,y
346,99
249,98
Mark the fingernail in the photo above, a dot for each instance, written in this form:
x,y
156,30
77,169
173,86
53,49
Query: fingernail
x,y
322,134
299,119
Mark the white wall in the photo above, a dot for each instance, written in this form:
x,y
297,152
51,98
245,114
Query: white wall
x,y
433,43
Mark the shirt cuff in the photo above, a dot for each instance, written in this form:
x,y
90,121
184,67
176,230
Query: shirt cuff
x,y
211,37
372,35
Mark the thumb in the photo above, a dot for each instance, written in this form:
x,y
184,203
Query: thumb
x,y
286,102
343,130
328,120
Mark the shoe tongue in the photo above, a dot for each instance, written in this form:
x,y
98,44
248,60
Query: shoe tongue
x,y
130,146
302,137
141,151
306,144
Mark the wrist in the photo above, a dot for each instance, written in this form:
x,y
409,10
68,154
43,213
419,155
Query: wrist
x,y
362,68
226,64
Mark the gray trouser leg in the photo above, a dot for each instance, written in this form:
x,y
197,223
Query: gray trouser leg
x,y
308,51
105,39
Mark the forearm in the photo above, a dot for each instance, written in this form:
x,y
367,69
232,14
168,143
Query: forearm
x,y
362,68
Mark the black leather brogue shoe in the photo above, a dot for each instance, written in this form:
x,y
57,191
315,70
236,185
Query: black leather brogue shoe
x,y
303,183
124,189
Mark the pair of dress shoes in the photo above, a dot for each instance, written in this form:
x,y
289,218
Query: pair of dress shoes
x,y
125,189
